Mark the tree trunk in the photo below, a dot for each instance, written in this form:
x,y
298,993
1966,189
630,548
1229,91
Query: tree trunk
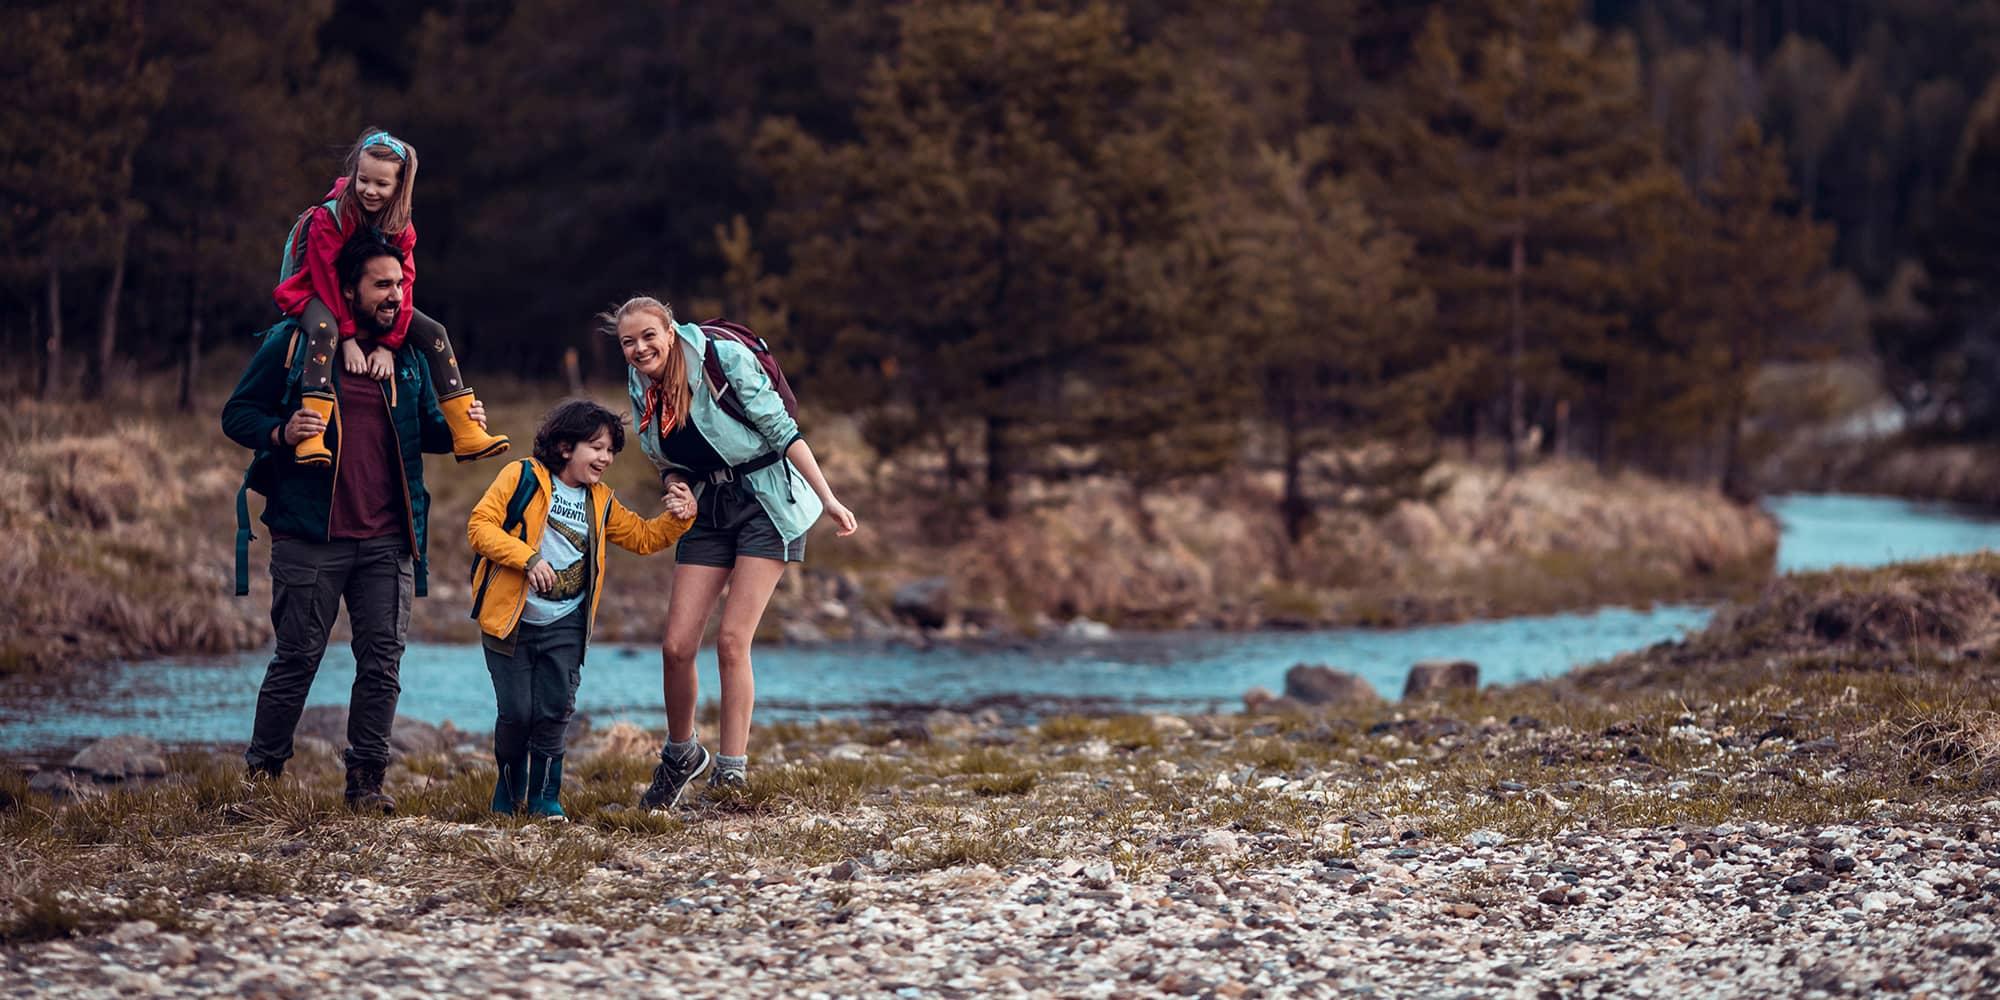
x,y
1517,266
999,468
1517,334
107,328
1735,480
1294,507
52,375
191,361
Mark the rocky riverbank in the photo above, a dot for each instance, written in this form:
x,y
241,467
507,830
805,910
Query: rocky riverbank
x,y
1802,800
121,547
1967,473
1727,911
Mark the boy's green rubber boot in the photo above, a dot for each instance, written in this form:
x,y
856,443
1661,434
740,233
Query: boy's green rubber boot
x,y
510,788
545,786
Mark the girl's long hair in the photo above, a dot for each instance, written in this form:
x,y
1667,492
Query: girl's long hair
x,y
675,394
376,144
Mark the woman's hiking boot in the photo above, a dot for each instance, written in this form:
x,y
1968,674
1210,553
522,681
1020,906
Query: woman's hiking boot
x,y
672,776
727,784
510,787
545,786
364,790
469,441
313,450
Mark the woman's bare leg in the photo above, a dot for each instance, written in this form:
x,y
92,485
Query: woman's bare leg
x,y
695,591
750,590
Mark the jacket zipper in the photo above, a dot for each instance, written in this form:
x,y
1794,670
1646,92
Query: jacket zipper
x,y
339,442
402,473
547,496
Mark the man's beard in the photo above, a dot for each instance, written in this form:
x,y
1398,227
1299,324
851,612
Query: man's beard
x,y
368,324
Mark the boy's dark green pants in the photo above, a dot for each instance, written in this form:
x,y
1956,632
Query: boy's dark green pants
x,y
535,686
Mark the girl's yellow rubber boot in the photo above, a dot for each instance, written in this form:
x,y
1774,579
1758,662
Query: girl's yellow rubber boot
x,y
313,450
469,441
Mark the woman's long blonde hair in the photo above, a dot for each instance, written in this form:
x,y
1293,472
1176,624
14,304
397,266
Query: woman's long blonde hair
x,y
377,144
674,394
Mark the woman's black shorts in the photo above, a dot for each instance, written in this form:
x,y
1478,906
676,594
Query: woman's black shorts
x,y
728,523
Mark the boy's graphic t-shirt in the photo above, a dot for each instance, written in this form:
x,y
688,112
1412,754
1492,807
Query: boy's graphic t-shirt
x,y
564,541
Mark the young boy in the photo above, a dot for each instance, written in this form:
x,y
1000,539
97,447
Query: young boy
x,y
538,540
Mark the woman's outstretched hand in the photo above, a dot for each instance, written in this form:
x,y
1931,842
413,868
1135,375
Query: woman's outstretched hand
x,y
843,517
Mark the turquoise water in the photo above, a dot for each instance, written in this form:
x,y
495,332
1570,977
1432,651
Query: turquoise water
x,y
1822,532
212,699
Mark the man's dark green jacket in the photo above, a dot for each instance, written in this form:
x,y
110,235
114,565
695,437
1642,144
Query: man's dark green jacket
x,y
298,499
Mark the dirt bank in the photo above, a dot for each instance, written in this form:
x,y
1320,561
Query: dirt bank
x,y
120,547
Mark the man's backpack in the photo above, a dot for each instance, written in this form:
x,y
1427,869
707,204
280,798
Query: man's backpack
x,y
727,395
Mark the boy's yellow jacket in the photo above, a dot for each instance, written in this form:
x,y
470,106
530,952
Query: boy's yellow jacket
x,y
500,580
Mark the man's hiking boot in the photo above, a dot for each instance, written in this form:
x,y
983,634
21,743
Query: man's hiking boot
x,y
671,778
259,779
364,791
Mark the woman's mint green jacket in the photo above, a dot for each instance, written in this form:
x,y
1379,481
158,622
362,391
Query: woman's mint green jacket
x,y
792,504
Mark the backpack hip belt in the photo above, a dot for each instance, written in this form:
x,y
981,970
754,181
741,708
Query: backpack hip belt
x,y
731,473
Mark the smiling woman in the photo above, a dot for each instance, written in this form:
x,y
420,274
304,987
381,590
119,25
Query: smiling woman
x,y
758,489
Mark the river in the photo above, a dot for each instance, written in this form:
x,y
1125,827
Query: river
x,y
212,699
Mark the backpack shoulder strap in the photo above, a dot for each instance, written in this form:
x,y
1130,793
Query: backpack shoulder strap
x,y
243,535
525,489
726,394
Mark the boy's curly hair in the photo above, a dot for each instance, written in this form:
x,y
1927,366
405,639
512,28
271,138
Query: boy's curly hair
x,y
572,422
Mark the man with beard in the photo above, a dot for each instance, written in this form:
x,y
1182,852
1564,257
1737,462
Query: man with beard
x,y
352,531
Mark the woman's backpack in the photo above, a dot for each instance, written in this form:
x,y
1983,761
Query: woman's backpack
x,y
711,364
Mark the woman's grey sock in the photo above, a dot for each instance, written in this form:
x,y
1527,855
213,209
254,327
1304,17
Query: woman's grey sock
x,y
725,764
678,750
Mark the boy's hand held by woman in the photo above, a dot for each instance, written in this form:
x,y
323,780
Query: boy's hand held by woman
x,y
679,500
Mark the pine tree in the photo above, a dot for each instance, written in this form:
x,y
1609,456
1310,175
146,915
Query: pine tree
x,y
71,132
1762,270
1326,309
1514,158
256,117
970,259
1944,362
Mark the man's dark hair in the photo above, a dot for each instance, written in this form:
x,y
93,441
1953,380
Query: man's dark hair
x,y
572,422
365,245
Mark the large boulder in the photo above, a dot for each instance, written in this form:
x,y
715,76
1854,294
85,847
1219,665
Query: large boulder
x,y
925,603
623,739
1327,687
407,737
119,758
1434,676
1260,701
65,785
